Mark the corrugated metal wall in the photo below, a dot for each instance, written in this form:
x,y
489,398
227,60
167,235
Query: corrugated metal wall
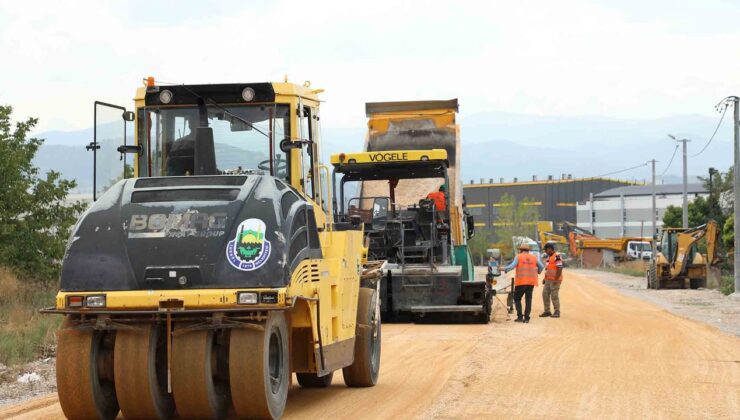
x,y
556,200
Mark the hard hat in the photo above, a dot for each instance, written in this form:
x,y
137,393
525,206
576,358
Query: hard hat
x,y
524,246
442,187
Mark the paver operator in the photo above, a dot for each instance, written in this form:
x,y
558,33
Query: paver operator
x,y
527,267
551,282
439,199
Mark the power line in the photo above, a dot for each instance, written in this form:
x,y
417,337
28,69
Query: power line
x,y
669,163
724,111
623,170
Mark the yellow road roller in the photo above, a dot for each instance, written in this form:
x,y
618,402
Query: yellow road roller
x,y
198,285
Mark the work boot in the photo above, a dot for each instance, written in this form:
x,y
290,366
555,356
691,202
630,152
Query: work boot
x,y
519,319
545,314
556,314
526,320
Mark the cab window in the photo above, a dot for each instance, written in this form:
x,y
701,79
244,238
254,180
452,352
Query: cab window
x,y
241,136
307,152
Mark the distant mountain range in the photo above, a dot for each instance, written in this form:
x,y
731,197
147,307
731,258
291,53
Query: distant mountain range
x,y
495,145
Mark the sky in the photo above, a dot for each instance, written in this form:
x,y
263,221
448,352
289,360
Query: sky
x,y
622,59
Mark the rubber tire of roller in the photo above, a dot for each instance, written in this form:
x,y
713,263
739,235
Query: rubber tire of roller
x,y
249,365
364,371
194,387
81,394
310,380
142,391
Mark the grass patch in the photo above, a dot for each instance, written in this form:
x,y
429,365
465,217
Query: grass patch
x,y
629,268
25,334
727,284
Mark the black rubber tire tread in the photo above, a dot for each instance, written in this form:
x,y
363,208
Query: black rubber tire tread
x,y
310,380
81,394
193,386
697,283
141,390
652,277
485,317
249,370
364,371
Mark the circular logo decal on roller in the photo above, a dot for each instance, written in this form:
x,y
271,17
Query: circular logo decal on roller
x,y
249,250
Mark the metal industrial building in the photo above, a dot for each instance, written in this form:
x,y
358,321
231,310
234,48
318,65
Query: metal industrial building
x,y
556,199
625,211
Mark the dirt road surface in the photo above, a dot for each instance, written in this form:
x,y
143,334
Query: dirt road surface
x,y
609,356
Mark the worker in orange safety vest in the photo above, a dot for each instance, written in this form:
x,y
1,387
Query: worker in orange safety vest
x,y
528,267
552,281
438,197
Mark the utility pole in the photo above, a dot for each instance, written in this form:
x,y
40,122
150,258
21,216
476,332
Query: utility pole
x,y
736,186
654,232
685,221
591,215
685,188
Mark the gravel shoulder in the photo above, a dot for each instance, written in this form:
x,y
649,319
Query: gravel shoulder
x,y
30,380
704,305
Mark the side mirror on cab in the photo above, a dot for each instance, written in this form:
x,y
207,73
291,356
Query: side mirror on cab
x,y
470,223
286,145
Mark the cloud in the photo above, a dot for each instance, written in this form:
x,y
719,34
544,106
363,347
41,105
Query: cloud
x,y
545,58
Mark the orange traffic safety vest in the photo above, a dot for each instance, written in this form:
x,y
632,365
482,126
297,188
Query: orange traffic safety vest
x,y
526,270
551,270
439,200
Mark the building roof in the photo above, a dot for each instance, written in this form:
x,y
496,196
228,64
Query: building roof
x,y
545,181
646,190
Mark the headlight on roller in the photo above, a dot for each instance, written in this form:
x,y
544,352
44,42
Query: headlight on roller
x,y
165,96
248,94
95,301
247,298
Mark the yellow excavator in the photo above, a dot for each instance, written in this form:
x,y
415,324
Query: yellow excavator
x,y
200,285
679,264
546,235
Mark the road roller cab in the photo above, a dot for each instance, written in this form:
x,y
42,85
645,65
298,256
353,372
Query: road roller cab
x,y
212,271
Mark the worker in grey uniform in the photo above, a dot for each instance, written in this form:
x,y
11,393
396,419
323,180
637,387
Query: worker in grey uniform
x,y
552,281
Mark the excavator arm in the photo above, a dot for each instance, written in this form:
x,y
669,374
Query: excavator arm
x,y
713,242
545,233
546,237
575,236
687,239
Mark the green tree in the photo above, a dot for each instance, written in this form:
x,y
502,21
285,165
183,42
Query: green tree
x,y
721,195
35,218
700,211
515,218
478,245
721,201
728,232
672,217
